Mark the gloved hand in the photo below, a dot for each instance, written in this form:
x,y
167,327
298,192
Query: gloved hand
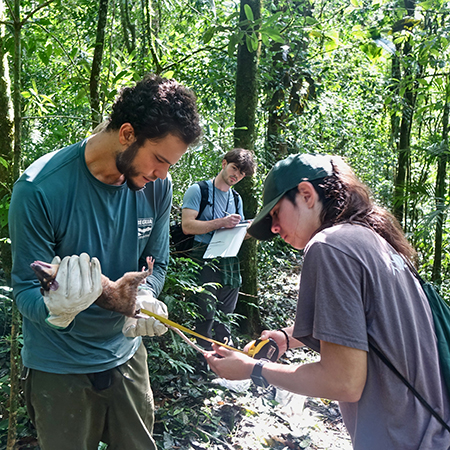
x,y
148,326
79,280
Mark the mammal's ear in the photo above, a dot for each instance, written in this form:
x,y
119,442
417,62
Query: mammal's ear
x,y
224,163
308,192
126,134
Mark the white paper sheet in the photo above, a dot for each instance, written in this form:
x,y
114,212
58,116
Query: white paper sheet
x,y
226,242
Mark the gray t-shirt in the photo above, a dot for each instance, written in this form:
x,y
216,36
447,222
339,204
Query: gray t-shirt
x,y
223,203
354,285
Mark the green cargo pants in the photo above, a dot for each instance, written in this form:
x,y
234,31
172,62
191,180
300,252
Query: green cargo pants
x,y
70,413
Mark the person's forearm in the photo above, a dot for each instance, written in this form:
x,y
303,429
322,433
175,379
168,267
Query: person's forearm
x,y
293,343
31,305
310,380
202,226
157,278
339,375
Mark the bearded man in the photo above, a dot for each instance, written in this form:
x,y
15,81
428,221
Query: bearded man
x,y
102,202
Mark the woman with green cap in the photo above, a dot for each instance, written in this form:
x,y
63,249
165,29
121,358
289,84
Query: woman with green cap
x,y
356,293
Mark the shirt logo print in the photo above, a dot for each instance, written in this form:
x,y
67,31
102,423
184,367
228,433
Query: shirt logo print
x,y
397,263
145,227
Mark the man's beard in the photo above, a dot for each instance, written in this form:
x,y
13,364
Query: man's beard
x,y
227,179
124,163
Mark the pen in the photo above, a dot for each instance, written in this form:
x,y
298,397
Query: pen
x,y
227,213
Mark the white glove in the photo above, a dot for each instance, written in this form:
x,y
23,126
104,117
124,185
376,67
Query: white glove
x,y
80,284
146,326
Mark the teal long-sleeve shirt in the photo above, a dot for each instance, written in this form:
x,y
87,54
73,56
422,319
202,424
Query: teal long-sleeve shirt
x,y
59,208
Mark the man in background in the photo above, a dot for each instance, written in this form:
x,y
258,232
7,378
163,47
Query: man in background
x,y
224,209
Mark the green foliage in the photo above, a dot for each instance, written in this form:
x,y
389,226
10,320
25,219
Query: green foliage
x,y
327,84
4,208
23,423
181,395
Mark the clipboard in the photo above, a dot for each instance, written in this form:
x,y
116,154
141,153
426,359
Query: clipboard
x,y
226,242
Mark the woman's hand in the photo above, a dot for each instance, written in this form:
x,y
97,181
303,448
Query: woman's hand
x,y
280,338
229,364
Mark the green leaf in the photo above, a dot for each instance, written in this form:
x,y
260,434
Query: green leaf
x,y
333,40
231,48
371,50
358,33
234,39
428,4
232,16
274,34
48,100
435,52
73,52
119,76
248,13
44,57
273,18
49,50
169,74
209,34
400,39
315,33
248,41
4,163
255,42
310,20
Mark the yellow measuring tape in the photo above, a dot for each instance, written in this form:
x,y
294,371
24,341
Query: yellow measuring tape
x,y
187,330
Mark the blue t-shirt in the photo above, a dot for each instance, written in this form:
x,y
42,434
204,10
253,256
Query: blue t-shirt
x,y
59,208
223,203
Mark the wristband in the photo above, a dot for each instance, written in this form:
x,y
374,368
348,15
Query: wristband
x,y
256,375
286,336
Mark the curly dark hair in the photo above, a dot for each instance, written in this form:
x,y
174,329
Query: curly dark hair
x,y
346,199
243,159
156,107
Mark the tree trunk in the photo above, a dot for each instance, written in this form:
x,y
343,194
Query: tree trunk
x,y
244,137
440,192
403,160
152,16
97,64
6,149
395,78
286,80
276,114
128,28
15,319
6,125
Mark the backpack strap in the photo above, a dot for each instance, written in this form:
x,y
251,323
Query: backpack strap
x,y
410,386
204,191
236,200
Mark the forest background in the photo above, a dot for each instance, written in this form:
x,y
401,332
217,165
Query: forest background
x,y
364,79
